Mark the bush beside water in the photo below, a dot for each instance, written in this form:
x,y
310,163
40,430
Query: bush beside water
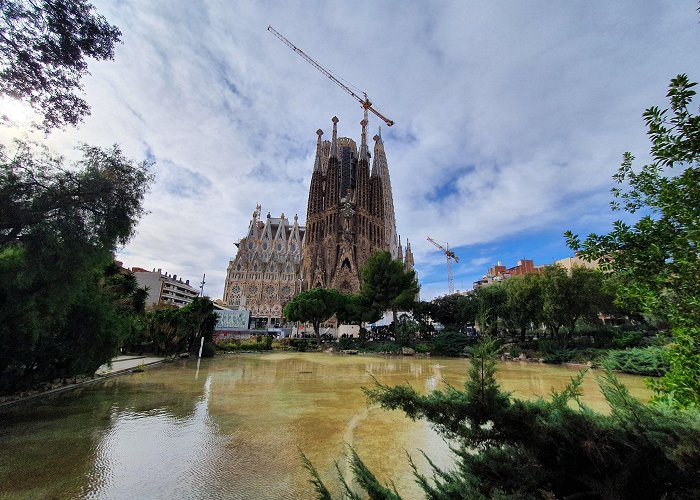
x,y
640,361
251,344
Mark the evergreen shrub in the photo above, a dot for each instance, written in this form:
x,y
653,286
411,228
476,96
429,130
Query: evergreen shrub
x,y
450,343
651,361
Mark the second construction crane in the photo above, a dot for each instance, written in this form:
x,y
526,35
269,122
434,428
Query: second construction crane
x,y
450,255
364,101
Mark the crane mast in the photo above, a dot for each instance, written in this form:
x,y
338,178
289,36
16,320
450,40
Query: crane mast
x,y
450,256
364,101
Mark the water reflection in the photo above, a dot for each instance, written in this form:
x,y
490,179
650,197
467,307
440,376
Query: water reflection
x,y
232,427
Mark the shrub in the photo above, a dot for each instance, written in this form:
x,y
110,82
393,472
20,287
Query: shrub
x,y
639,361
208,350
299,345
424,347
345,343
450,343
625,339
559,356
251,344
391,347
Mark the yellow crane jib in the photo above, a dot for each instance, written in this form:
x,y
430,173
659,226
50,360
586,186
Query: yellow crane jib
x,y
364,100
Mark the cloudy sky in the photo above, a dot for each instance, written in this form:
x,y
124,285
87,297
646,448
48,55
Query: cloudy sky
x,y
510,117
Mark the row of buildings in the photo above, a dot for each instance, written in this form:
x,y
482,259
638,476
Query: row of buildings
x,y
499,272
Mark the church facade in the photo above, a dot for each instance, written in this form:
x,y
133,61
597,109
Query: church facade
x,y
350,212
350,215
265,273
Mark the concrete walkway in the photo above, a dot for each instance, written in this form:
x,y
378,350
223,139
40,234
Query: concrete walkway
x,y
124,363
119,365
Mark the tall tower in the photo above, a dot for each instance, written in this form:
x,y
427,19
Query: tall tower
x,y
350,212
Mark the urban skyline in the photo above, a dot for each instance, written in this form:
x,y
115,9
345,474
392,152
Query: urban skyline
x,y
510,120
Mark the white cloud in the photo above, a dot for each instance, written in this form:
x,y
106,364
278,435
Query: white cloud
x,y
520,111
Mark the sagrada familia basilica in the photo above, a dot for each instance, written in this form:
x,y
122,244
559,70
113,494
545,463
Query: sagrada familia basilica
x,y
349,215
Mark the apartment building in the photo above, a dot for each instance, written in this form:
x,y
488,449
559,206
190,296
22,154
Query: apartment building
x,y
164,288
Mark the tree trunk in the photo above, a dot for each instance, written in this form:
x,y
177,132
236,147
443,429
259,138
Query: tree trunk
x,y
395,313
522,334
317,331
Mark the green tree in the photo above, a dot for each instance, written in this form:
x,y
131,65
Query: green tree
x,y
58,228
171,329
386,285
164,329
43,50
353,309
555,290
657,256
454,310
313,306
422,313
199,321
491,305
524,301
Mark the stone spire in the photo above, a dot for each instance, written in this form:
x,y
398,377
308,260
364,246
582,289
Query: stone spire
x,y
408,258
376,167
317,162
334,141
380,168
364,153
400,251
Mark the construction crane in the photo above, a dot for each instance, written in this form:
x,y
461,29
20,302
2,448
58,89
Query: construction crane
x,y
450,255
364,101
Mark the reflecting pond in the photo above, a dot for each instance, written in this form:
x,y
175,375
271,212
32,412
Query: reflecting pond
x,y
234,427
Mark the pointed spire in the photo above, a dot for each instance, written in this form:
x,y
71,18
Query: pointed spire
x,y
334,142
408,258
317,162
378,156
364,153
400,251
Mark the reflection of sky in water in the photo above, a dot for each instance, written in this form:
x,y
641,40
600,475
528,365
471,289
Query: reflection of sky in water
x,y
233,427
130,458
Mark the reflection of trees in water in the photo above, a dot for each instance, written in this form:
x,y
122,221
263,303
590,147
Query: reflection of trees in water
x,y
52,448
164,433
49,448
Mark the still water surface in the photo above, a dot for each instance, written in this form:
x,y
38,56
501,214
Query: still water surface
x,y
234,428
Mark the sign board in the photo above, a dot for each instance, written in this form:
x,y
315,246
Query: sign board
x,y
232,320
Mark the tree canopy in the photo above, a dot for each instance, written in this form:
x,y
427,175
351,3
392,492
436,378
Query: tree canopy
x,y
314,306
59,225
353,309
43,50
657,258
386,285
